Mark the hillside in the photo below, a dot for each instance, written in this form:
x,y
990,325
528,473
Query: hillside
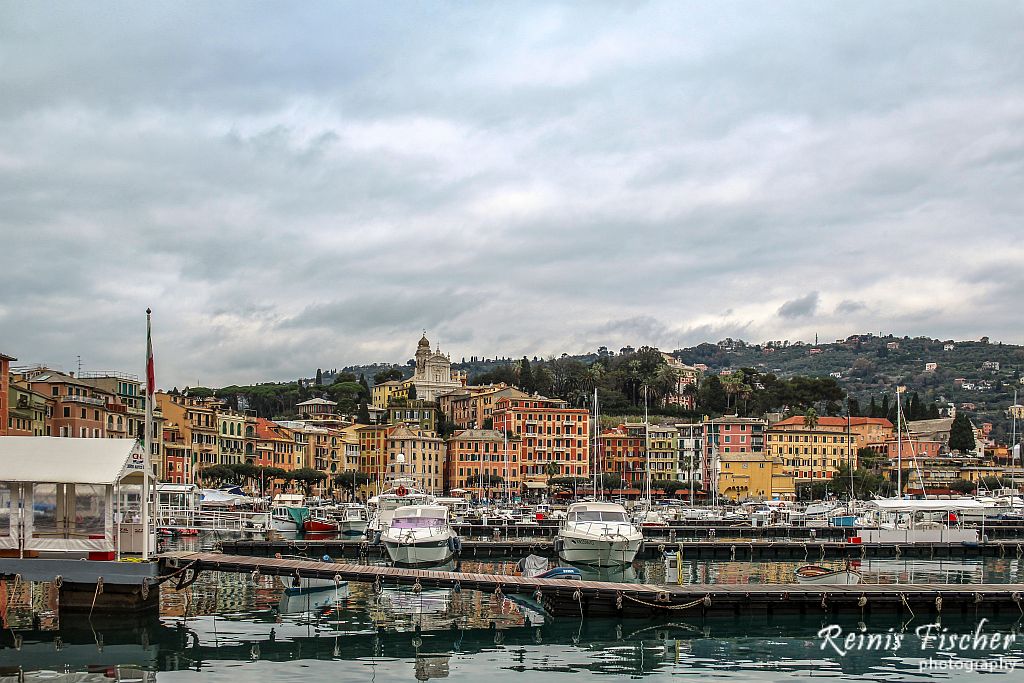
x,y
870,366
867,366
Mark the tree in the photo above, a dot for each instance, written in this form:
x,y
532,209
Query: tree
x,y
811,419
488,423
526,382
711,395
350,480
319,381
412,392
963,486
389,375
609,482
363,417
961,435
365,387
552,470
307,477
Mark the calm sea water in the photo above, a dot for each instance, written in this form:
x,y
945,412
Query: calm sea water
x,y
230,628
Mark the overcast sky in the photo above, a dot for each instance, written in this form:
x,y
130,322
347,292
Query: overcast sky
x,y
294,185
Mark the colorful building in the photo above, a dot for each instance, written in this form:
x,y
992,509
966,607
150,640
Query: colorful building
x,y
80,409
5,396
416,454
555,438
753,476
480,456
29,412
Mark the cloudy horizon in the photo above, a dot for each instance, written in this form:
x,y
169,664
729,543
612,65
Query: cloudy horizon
x,y
313,185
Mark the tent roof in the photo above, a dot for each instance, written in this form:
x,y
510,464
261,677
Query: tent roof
x,y
64,460
897,504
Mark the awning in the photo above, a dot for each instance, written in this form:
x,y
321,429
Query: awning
x,y
38,459
535,485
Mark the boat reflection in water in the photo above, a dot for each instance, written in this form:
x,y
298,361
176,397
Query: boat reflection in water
x,y
312,598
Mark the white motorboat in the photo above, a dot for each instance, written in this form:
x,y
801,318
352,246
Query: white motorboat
x,y
817,575
351,519
598,534
382,507
420,535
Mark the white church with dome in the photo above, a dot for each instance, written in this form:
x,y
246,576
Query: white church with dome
x,y
434,375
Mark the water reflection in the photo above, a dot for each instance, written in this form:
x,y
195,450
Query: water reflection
x,y
230,625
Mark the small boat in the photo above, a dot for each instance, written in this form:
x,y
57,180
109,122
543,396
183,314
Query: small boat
x,y
536,567
823,576
288,512
351,519
320,521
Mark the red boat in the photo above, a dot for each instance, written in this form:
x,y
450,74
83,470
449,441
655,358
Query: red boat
x,y
320,524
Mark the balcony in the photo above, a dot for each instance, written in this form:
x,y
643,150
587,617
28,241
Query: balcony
x,y
88,400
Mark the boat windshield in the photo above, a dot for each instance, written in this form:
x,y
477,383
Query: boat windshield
x,y
417,523
599,516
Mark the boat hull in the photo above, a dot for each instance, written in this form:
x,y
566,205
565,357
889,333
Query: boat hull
x,y
319,526
282,524
420,552
601,552
813,576
352,527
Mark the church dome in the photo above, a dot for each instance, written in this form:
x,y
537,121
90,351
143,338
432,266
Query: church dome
x,y
424,343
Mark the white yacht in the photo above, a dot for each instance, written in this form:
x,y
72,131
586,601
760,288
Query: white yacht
x,y
598,534
420,535
382,507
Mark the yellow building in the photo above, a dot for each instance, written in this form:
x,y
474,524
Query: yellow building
x,y
384,393
753,476
816,454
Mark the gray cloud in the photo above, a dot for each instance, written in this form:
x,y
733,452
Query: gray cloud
x,y
801,307
310,186
848,306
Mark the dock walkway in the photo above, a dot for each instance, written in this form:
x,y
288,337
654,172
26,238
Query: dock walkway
x,y
574,597
723,549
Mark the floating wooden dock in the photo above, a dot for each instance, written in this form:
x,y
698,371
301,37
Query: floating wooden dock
x,y
1003,530
723,549
599,598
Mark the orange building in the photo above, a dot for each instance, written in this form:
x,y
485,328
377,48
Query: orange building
x,y
80,409
470,406
5,395
177,461
373,456
473,453
621,451
554,437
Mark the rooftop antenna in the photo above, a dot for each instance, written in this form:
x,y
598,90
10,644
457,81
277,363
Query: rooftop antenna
x,y
79,365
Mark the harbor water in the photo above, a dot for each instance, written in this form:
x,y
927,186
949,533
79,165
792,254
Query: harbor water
x,y
236,627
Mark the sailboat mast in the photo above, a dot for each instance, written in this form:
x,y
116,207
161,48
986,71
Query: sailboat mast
x,y
647,448
595,440
899,445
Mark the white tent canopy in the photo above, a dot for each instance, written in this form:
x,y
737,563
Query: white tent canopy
x,y
32,459
57,494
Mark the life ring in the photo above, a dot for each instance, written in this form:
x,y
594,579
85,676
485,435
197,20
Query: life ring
x,y
402,491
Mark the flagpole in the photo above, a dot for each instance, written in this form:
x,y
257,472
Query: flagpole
x,y
148,440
